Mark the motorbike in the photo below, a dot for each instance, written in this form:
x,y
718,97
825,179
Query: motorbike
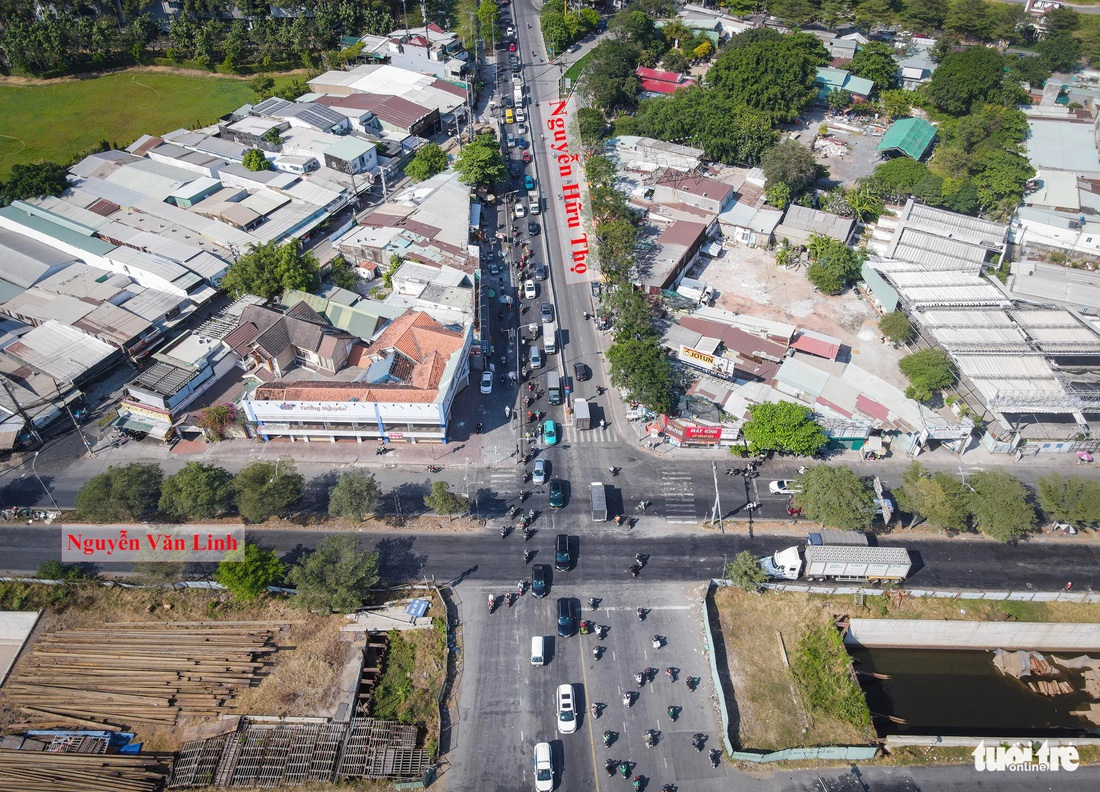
x,y
639,679
492,603
672,713
643,505
523,496
522,587
610,766
587,627
648,738
715,756
628,700
608,736
522,522
614,471
477,429
380,450
692,683
513,511
657,642
634,570
641,614
593,603
597,653
434,468
637,782
638,559
671,674
650,673
697,742
505,530
601,631
624,769
600,389
526,556
527,533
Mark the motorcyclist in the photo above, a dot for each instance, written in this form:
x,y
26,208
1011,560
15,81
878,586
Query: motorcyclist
x,y
639,679
648,737
671,674
595,710
492,602
607,737
596,654
641,614
637,558
656,642
671,713
526,556
627,700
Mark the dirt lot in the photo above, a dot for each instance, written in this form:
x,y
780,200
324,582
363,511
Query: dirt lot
x,y
749,282
750,624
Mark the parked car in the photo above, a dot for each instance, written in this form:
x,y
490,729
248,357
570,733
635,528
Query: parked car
x,y
784,487
557,494
511,140
550,433
546,312
521,117
521,210
580,372
530,291
567,710
527,158
486,382
542,471
522,142
567,623
540,580
517,78
541,273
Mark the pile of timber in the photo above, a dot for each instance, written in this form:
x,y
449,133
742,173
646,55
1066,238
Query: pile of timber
x,y
129,674
38,771
1039,665
1050,688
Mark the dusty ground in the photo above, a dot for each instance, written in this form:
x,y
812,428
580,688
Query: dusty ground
x,y
750,623
749,282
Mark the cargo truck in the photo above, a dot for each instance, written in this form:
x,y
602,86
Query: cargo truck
x,y
599,502
535,201
550,338
582,414
839,562
553,387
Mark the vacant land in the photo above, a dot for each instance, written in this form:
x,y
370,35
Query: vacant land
x,y
57,120
770,712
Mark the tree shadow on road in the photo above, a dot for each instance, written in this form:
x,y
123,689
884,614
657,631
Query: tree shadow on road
x,y
397,563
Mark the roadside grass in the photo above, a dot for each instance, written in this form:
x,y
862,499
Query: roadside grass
x,y
772,708
574,71
59,120
415,665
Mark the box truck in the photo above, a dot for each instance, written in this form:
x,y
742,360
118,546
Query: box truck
x,y
839,562
582,414
599,502
553,387
550,338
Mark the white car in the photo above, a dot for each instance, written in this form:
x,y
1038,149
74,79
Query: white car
x,y
517,78
529,290
521,210
521,129
536,357
544,767
521,117
510,31
542,472
567,712
486,382
511,141
784,487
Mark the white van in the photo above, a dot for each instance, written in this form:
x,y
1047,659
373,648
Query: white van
x,y
538,650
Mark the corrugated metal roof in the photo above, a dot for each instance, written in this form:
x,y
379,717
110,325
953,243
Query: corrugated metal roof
x,y
910,136
801,377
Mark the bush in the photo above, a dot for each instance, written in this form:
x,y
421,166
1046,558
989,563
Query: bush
x,y
783,426
928,371
248,579
822,669
745,571
442,501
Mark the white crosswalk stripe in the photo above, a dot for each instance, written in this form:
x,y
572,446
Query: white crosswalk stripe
x,y
677,491
570,434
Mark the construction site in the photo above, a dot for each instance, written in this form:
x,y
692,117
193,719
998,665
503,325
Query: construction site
x,y
145,706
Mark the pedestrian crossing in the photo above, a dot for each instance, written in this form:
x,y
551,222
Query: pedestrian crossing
x,y
571,434
677,491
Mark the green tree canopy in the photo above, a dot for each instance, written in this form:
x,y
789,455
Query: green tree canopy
x,y
442,501
248,579
591,124
1071,499
429,160
354,495
121,493
783,426
336,577
837,497
269,269
791,163
965,79
342,274
255,160
480,161
834,264
896,326
937,497
875,61
266,490
928,370
609,80
745,571
1000,505
775,76
642,368
33,181
199,491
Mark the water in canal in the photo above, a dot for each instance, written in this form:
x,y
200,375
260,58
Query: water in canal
x,y
945,692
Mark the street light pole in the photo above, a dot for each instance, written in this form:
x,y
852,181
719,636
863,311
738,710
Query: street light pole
x,y
40,481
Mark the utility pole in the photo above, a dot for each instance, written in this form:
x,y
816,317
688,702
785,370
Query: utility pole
x,y
716,511
19,409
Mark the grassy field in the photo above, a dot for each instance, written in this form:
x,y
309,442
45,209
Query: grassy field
x,y
771,710
58,120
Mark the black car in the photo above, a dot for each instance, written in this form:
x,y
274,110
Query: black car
x,y
541,273
533,228
557,494
540,580
580,372
508,102
562,559
567,622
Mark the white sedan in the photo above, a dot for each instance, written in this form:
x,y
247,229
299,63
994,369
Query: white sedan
x,y
544,767
784,487
486,382
567,711
521,210
529,291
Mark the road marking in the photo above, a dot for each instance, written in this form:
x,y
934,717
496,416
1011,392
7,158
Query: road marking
x,y
591,728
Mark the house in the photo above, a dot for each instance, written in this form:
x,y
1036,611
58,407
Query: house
x,y
655,81
1064,142
829,79
633,153
1042,230
351,155
748,220
800,223
911,137
385,115
915,63
693,189
663,259
277,342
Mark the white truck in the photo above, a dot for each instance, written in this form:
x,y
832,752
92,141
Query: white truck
x,y
535,200
850,563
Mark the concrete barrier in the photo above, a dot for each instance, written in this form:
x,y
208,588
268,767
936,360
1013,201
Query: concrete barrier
x,y
939,634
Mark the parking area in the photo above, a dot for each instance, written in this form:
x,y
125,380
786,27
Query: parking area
x,y
507,705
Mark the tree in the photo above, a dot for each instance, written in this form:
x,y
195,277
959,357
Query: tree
x,y
634,27
481,162
442,501
778,195
121,493
488,15
792,12
269,269
33,181
896,326
965,79
924,15
838,99
973,18
675,61
248,579
1060,21
928,370
774,75
591,124
745,571
427,162
255,160
610,80
875,61
999,505
791,163
354,495
198,491
342,274
336,577
641,366
837,497
834,265
262,86
1060,53
265,490
897,104
1074,500
783,426
1001,177
936,497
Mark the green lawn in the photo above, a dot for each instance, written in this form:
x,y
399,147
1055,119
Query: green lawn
x,y
574,71
57,121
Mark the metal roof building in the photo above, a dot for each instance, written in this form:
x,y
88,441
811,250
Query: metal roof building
x,y
944,240
909,136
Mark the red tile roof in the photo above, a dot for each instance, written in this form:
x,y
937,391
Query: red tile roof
x,y
656,86
816,346
872,408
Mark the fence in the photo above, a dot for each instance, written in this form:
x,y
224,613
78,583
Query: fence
x,y
961,594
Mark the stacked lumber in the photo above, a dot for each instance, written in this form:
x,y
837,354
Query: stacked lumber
x,y
1046,687
38,771
124,675
1039,665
